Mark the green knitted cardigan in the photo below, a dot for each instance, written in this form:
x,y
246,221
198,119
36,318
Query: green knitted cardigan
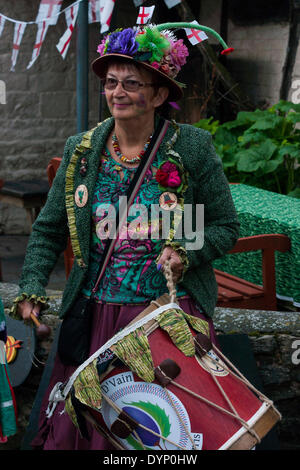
x,y
60,216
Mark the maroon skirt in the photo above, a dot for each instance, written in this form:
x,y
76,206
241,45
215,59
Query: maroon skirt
x,y
58,431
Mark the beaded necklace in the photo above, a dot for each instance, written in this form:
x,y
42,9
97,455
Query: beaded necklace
x,y
122,157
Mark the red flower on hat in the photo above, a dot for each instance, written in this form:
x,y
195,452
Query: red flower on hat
x,y
155,65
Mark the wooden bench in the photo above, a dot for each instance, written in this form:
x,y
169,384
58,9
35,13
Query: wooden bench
x,y
30,195
233,292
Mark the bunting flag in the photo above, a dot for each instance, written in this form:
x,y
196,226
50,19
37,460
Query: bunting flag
x,y
195,35
64,42
18,34
94,11
98,11
48,15
145,15
49,9
40,36
172,3
2,21
71,14
106,9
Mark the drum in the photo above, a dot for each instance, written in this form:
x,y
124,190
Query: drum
x,y
163,385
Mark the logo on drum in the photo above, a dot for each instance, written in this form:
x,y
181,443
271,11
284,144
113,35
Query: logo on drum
x,y
154,418
164,419
213,362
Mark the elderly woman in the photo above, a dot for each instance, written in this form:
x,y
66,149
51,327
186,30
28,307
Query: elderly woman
x,y
138,69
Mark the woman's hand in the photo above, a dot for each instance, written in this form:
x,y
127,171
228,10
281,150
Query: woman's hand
x,y
176,265
25,308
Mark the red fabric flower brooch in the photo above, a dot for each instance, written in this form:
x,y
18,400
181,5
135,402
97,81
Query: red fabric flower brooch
x,y
171,176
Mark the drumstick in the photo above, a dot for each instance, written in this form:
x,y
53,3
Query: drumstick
x,y
42,330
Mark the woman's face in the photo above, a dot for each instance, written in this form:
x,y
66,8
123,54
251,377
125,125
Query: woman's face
x,y
130,105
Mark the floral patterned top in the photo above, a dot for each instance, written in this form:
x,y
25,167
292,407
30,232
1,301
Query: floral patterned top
x,y
131,275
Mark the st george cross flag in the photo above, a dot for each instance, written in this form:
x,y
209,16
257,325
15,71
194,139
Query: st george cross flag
x,y
195,35
48,15
64,42
71,14
106,9
18,34
40,36
2,21
94,11
145,15
172,3
49,9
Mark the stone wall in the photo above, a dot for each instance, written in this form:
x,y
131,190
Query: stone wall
x,y
275,342
259,56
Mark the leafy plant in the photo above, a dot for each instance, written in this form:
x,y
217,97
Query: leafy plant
x,y
208,125
261,148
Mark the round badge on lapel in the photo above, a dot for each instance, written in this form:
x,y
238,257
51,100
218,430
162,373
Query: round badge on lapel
x,y
81,196
168,201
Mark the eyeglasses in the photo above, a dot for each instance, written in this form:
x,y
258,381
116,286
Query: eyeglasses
x,y
128,84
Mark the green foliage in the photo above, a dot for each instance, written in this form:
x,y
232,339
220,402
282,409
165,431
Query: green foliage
x,y
261,148
208,125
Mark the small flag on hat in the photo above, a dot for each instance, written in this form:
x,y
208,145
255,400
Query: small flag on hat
x,y
145,14
195,35
172,3
49,9
106,9
18,34
2,21
64,42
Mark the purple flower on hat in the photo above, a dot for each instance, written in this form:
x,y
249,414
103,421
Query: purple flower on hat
x,y
123,42
179,53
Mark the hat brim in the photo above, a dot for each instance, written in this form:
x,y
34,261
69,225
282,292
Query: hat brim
x,y
175,91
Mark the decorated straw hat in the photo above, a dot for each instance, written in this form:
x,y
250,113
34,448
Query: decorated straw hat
x,y
153,46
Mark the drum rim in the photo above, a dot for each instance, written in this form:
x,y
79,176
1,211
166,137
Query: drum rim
x,y
266,411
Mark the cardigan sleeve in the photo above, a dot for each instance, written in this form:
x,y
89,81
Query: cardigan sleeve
x,y
210,188
47,241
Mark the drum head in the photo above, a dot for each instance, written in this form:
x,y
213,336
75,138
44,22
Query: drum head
x,y
20,366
